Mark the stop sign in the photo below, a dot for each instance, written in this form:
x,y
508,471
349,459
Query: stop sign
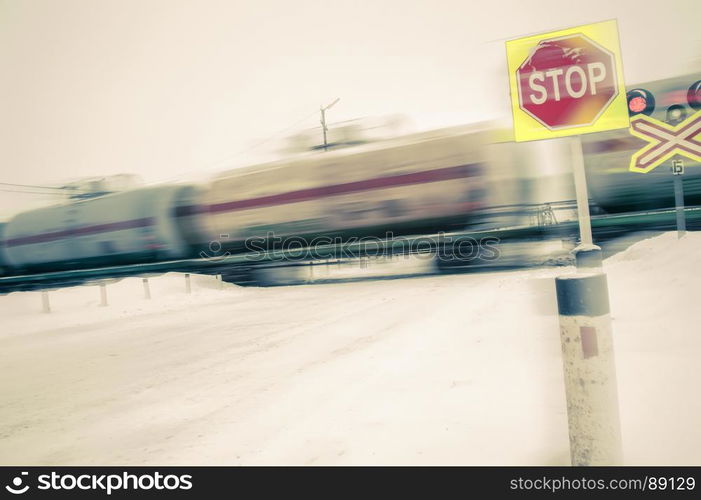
x,y
567,81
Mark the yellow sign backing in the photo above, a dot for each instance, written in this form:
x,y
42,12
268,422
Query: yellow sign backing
x,y
567,82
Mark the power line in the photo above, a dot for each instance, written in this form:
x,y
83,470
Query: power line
x,y
49,193
32,186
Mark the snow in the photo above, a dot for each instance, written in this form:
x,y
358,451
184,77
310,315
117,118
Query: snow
x,y
460,369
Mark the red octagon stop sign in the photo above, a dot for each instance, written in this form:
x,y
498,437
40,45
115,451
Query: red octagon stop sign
x,y
567,82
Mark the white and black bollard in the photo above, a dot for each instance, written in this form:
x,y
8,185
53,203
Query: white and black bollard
x,y
588,257
147,289
103,295
188,287
589,369
45,305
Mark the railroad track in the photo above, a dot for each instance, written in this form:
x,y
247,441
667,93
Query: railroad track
x,y
238,267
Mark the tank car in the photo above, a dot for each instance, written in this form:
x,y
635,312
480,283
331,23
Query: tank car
x,y
127,227
428,181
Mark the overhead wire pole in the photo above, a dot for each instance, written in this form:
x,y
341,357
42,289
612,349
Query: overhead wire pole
x,y
323,119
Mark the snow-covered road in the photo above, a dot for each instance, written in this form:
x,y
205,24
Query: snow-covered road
x,y
461,369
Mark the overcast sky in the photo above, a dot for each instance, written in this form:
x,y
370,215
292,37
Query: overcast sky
x,y
165,88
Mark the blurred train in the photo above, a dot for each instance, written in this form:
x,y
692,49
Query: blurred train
x,y
440,180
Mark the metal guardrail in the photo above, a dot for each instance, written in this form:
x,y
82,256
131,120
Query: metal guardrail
x,y
603,226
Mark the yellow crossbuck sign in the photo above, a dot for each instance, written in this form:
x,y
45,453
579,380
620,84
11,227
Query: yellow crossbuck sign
x,y
665,141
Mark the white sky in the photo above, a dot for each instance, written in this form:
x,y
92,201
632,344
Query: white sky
x,y
165,88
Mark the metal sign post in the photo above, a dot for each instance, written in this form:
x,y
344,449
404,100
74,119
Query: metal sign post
x,y
587,254
324,128
677,172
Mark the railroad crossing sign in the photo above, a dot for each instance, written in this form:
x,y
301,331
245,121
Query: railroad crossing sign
x,y
665,141
567,82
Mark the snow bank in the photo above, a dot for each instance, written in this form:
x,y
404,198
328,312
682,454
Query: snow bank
x,y
462,369
654,288
80,305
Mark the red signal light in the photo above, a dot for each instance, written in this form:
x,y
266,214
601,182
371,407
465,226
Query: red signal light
x,y
637,104
640,101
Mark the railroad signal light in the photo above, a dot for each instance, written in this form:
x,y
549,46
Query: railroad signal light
x,y
693,96
637,104
640,101
675,114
